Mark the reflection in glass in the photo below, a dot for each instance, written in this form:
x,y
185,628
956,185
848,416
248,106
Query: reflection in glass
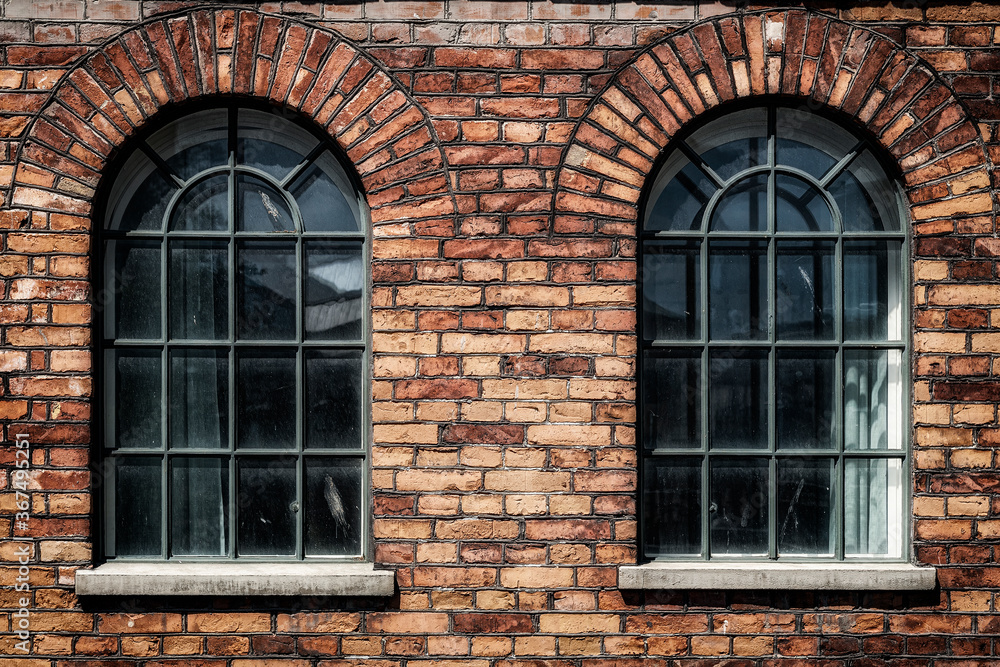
x,y
146,206
679,196
137,506
135,311
737,299
265,399
199,507
198,294
868,201
805,289
204,207
871,290
806,399
743,208
872,503
809,142
737,399
671,290
805,507
325,198
199,399
267,510
269,142
139,407
734,142
265,290
334,284
671,399
334,389
333,497
261,208
738,511
193,143
800,206
672,506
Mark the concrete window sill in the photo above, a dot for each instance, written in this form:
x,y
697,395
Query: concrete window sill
x,y
777,576
354,579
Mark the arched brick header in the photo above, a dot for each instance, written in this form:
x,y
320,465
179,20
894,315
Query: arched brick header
x,y
797,53
229,51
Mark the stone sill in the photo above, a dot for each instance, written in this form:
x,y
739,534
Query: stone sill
x,y
295,578
777,576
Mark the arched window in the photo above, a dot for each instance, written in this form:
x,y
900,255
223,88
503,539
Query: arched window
x,y
234,328
773,330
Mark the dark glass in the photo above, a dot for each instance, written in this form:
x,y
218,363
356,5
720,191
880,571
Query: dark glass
x,y
138,519
204,207
334,498
809,142
265,399
743,208
805,507
737,399
866,398
868,200
800,206
322,203
681,204
139,398
334,289
195,142
199,507
147,204
199,399
334,391
198,293
805,401
867,268
671,506
199,157
261,208
671,399
270,142
135,312
267,510
733,143
805,290
737,298
738,512
265,292
671,290
802,156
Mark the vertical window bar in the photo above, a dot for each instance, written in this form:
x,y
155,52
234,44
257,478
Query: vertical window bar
x,y
165,497
706,437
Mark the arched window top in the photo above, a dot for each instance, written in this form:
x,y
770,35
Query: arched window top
x,y
234,170
793,170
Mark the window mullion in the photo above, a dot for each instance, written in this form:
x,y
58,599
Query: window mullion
x,y
706,497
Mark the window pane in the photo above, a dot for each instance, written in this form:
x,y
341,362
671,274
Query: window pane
x,y
738,511
199,399
733,143
800,207
805,289
738,398
334,285
679,196
872,308
671,290
199,303
873,395
266,290
743,208
139,405
199,507
806,397
333,524
265,402
873,507
194,143
261,208
868,201
672,506
334,391
737,299
267,509
805,507
140,196
671,400
137,506
271,143
809,142
325,198
135,310
205,207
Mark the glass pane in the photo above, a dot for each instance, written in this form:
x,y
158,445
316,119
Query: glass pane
x,y
679,196
326,198
273,144
261,208
805,507
265,399
333,495
205,207
138,398
199,507
810,142
671,399
800,206
140,195
873,395
267,509
671,506
199,293
873,504
806,399
872,308
743,208
868,200
134,312
266,290
805,289
671,290
738,397
738,510
137,506
335,390
194,143
199,399
735,142
737,298
334,284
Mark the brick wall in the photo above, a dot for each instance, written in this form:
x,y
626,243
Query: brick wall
x,y
498,146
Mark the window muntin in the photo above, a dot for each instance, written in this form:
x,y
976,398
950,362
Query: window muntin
x,y
772,316
234,345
